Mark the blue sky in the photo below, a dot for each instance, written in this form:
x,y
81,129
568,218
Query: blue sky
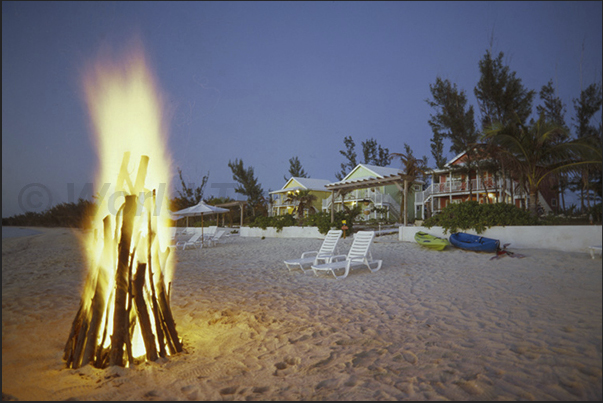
x,y
267,81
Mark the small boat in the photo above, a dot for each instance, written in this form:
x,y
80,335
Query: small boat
x,y
474,243
431,241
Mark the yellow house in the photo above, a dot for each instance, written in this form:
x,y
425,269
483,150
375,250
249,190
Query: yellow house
x,y
316,187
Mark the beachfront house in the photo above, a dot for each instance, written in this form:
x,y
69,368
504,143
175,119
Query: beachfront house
x,y
378,190
282,201
454,184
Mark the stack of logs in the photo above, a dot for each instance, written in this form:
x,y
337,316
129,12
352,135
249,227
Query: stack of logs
x,y
133,289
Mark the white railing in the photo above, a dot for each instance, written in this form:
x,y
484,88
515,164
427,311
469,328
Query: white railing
x,y
377,198
462,187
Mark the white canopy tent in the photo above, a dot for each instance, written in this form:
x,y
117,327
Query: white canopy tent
x,y
201,209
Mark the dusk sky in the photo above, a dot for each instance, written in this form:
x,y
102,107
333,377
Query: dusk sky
x,y
267,81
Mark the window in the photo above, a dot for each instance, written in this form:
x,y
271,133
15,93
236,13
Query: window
x,y
553,202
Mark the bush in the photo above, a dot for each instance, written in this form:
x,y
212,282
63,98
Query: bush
x,y
75,215
278,222
322,220
479,217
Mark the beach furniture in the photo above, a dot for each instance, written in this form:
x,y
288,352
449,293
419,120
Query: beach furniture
x,y
326,251
359,255
474,243
594,250
193,241
431,241
213,240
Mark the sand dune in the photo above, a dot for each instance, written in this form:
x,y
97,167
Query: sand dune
x,y
427,326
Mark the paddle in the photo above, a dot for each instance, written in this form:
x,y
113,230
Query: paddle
x,y
504,252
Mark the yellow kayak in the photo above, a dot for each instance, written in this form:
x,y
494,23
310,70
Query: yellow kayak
x,y
431,241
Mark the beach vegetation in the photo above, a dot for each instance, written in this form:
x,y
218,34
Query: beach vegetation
x,y
350,156
479,217
501,96
322,220
302,200
188,195
248,185
414,168
534,152
278,222
295,169
372,152
71,215
588,181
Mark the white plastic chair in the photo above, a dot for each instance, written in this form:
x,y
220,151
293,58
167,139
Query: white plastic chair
x,y
212,241
193,241
359,255
326,251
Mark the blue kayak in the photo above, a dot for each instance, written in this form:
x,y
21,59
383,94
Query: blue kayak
x,y
474,243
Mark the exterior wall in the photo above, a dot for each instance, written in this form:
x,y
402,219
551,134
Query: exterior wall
x,y
393,191
567,238
320,196
360,173
287,232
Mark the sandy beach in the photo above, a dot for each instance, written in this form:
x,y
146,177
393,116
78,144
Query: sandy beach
x,y
450,325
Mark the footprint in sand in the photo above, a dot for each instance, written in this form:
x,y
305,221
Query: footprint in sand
x,y
410,357
286,366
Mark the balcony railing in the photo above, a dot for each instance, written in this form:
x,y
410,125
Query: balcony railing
x,y
378,199
462,187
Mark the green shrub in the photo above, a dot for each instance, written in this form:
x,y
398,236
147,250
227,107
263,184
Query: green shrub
x,y
479,217
278,222
322,220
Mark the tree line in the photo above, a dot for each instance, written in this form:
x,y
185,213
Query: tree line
x,y
537,152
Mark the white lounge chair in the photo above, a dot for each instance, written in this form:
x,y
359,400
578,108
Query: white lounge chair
x,y
359,254
193,241
212,241
327,250
594,250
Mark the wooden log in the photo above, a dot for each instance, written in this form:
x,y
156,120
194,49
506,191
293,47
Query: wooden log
x,y
143,314
121,284
131,314
98,308
156,315
79,345
98,301
167,315
71,340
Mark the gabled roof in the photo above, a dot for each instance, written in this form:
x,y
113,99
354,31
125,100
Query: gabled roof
x,y
452,161
372,172
371,176
297,183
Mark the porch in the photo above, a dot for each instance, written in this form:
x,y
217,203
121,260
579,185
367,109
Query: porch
x,y
368,198
494,190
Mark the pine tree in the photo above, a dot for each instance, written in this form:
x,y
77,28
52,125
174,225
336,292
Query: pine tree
x,y
248,184
501,96
295,169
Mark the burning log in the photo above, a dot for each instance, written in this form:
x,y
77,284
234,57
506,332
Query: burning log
x,y
112,289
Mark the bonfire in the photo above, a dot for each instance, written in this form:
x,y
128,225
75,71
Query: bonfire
x,y
124,315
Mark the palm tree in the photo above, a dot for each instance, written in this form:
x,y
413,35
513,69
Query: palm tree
x,y
534,152
414,168
302,199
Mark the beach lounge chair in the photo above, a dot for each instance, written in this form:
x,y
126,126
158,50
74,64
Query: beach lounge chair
x,y
359,255
326,251
212,241
193,241
594,250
